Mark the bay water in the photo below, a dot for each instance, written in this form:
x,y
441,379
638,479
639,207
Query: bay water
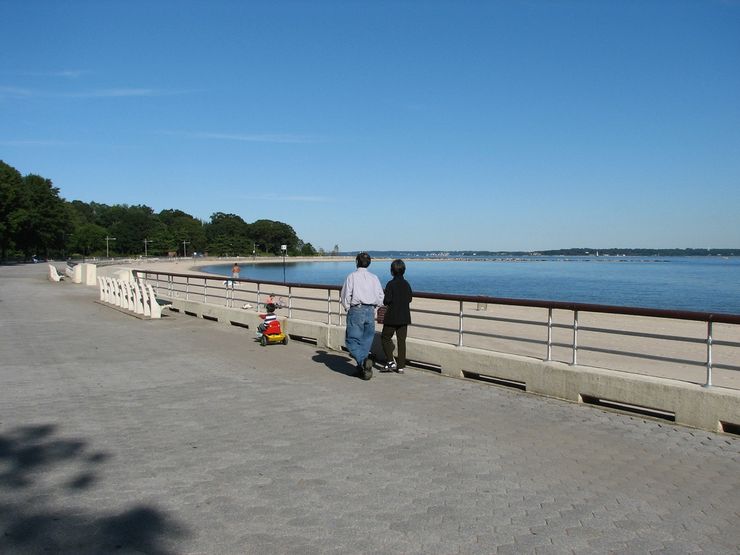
x,y
706,284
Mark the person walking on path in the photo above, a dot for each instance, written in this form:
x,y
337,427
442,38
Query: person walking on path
x,y
361,294
235,270
397,318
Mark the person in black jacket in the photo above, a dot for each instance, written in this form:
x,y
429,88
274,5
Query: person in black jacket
x,y
397,318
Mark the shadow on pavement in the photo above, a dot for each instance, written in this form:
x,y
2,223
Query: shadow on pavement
x,y
39,474
336,363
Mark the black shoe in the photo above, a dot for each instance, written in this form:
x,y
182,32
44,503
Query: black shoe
x,y
367,369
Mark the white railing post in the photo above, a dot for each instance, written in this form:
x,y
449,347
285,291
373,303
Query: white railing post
x,y
575,338
290,302
460,328
328,306
549,334
187,288
205,290
709,355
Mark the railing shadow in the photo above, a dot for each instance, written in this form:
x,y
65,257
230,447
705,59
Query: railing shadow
x,y
39,473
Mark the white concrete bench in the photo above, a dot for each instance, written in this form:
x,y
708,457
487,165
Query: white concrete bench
x,y
101,284
138,299
53,274
151,306
134,296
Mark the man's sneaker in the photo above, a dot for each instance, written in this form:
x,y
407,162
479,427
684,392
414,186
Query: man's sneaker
x,y
367,368
390,366
399,370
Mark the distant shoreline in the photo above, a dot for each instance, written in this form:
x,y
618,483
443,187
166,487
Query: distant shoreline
x,y
181,265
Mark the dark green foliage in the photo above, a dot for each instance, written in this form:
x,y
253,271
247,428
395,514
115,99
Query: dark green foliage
x,y
35,220
229,235
11,184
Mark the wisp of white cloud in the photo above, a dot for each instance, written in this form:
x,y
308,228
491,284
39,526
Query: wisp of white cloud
x,y
251,138
114,93
66,73
277,199
17,92
22,143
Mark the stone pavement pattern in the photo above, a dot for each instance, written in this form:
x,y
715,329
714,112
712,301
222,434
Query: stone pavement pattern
x,y
119,435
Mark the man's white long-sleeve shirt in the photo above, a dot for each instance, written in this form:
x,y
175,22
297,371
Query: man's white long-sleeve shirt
x,y
361,287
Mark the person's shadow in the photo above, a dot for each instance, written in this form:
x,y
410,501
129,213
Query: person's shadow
x,y
336,363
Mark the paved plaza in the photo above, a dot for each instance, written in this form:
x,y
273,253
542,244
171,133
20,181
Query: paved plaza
x,y
184,436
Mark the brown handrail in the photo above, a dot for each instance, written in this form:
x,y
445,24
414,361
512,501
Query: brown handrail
x,y
717,317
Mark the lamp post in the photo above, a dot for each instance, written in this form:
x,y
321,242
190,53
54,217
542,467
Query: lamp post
x,y
284,248
145,243
185,248
107,240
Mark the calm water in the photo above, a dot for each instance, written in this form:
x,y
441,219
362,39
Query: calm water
x,y
710,284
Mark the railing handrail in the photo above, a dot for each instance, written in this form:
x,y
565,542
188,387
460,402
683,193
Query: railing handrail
x,y
716,317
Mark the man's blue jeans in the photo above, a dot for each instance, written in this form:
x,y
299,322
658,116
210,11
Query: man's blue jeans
x,y
358,337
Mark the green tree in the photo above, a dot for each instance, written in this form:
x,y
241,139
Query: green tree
x,y
43,221
183,228
271,235
228,234
132,225
308,250
11,183
87,239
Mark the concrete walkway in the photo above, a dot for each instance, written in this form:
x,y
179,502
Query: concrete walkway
x,y
182,436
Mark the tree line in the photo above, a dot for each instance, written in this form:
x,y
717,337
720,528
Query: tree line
x,y
36,221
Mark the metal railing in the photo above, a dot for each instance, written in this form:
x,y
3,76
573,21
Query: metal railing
x,y
469,323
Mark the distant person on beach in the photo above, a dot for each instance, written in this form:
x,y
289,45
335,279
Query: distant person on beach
x,y
361,294
397,318
235,270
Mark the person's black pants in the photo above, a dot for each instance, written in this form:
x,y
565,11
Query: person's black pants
x,y
386,337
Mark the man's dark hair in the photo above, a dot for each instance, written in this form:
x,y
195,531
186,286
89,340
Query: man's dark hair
x,y
363,260
398,267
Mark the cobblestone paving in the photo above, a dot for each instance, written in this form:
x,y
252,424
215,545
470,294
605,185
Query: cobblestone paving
x,y
185,436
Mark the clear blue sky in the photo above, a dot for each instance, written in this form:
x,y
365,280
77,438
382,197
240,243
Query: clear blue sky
x,y
498,125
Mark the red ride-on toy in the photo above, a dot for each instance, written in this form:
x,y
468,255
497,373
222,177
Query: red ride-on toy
x,y
273,334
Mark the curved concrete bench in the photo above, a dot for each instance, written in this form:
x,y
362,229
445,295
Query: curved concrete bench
x,y
134,296
53,274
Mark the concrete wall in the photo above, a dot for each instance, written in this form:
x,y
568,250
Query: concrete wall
x,y
714,409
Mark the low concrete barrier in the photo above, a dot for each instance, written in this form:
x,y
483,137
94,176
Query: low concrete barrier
x,y
709,408
84,273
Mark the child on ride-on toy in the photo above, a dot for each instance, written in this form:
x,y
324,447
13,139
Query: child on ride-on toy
x,y
268,318
270,330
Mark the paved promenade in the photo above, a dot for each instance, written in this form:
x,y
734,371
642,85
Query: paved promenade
x,y
183,436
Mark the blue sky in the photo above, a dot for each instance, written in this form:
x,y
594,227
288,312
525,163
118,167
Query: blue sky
x,y
499,125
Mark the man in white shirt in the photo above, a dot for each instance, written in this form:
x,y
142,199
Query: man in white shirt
x,y
361,295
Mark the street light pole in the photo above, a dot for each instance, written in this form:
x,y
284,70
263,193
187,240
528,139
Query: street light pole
x,y
107,239
284,248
